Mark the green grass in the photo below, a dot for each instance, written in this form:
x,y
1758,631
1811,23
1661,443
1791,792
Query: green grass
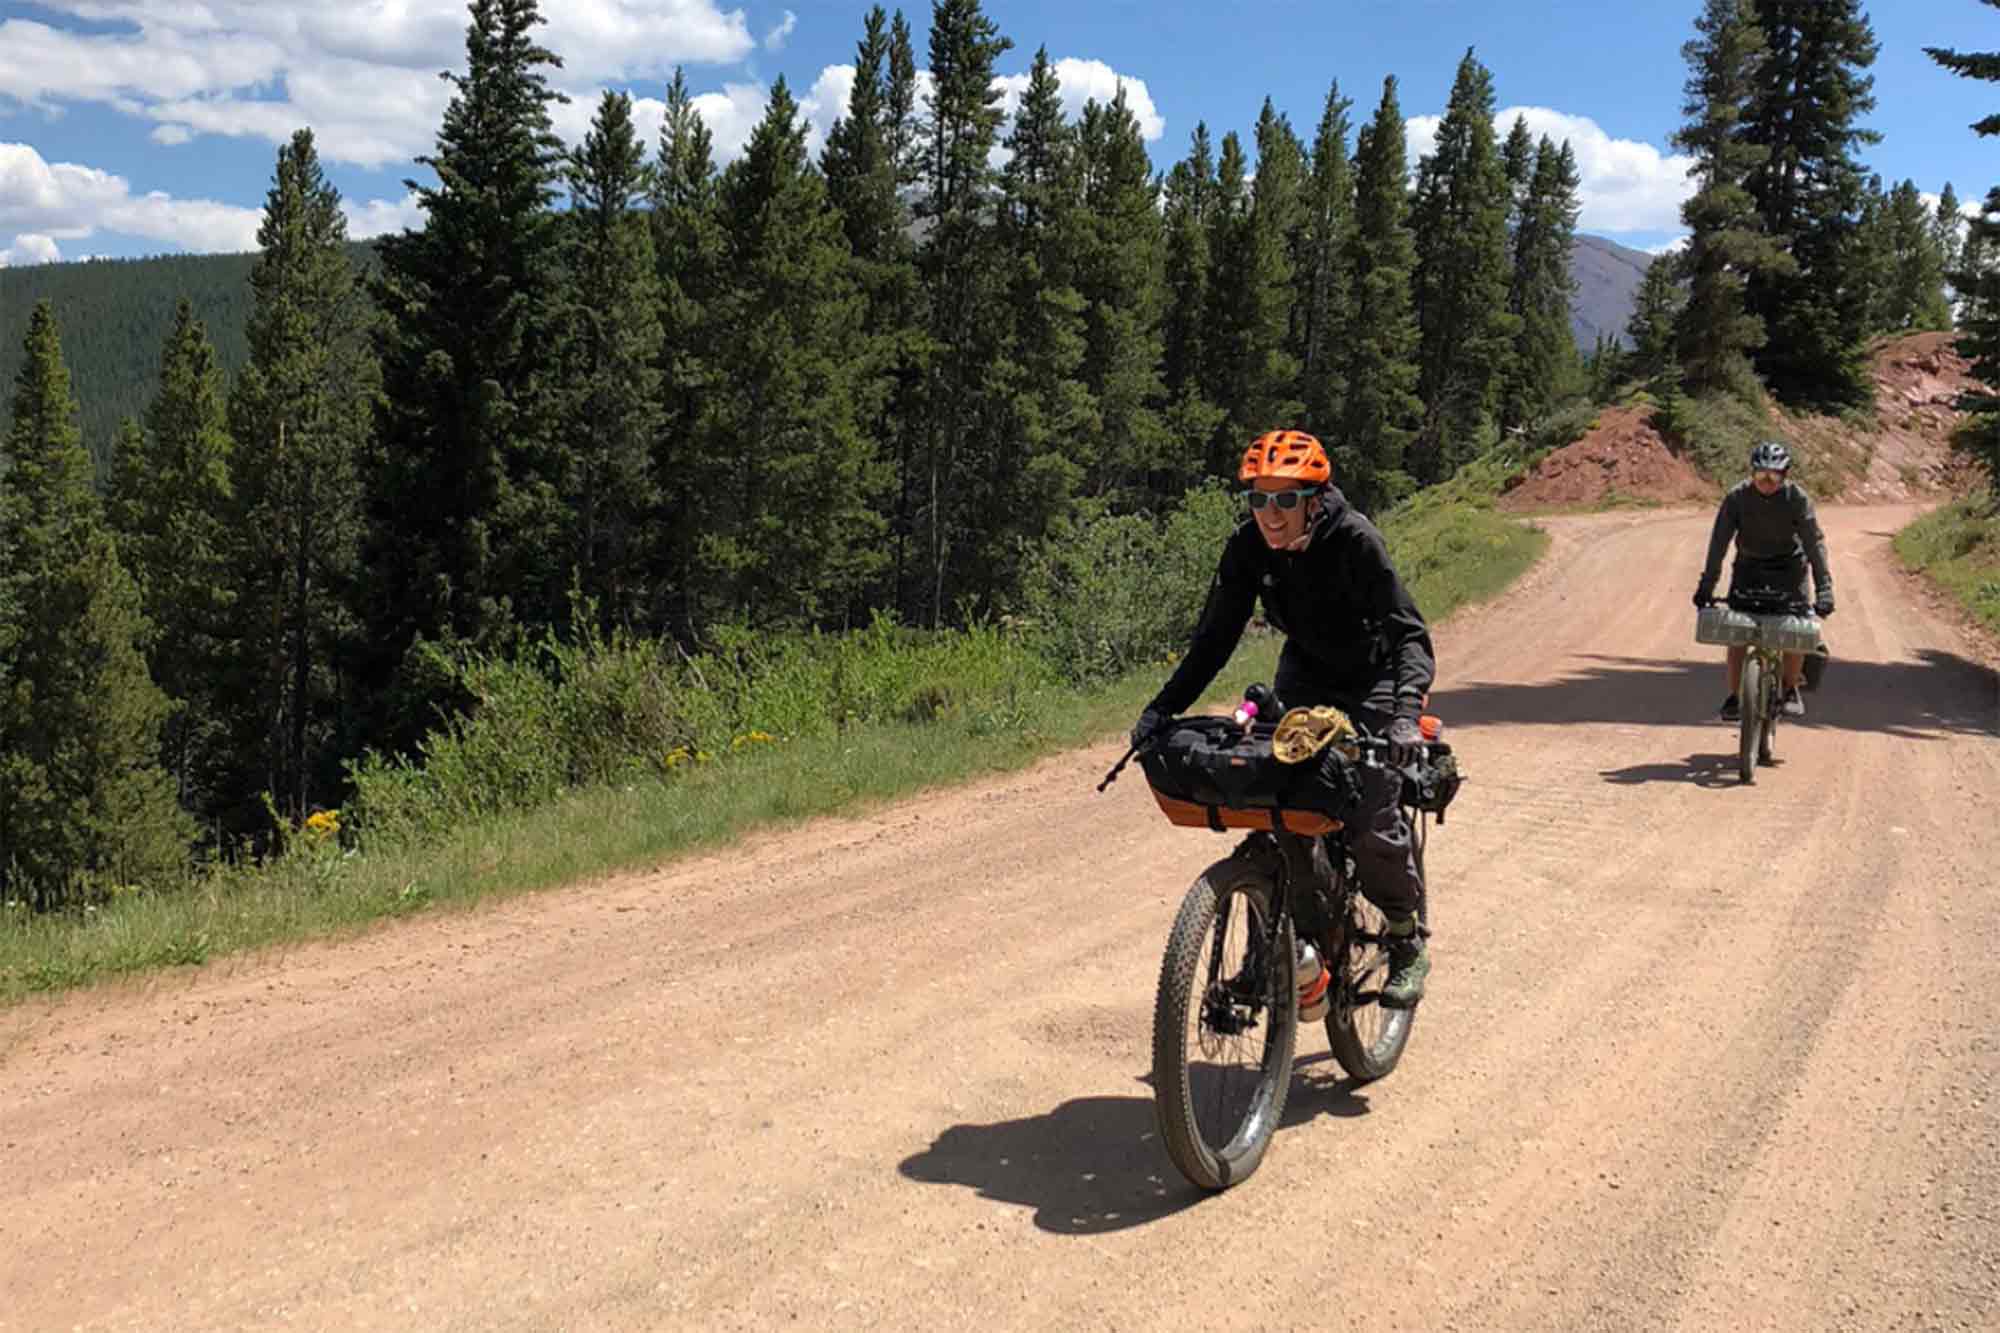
x,y
1450,552
318,889
1959,547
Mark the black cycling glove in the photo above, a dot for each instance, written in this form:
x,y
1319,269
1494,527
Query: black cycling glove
x,y
1150,724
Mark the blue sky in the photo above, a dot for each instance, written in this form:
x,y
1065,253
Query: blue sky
x,y
145,126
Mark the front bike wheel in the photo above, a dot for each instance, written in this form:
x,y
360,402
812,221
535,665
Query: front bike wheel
x,y
1750,701
1367,1037
1224,1026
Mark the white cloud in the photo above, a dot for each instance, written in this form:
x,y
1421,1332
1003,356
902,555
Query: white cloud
x,y
1673,247
775,39
1967,207
1627,185
363,76
1092,80
380,217
30,248
44,202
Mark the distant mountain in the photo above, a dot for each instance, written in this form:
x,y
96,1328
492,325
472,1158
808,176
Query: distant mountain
x,y
1607,287
115,314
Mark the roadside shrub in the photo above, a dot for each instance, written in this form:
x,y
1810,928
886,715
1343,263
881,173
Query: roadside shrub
x,y
1716,433
1124,589
596,710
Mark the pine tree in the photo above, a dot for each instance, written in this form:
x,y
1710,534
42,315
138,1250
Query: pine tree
x,y
1382,410
171,508
796,541
1978,280
465,503
689,267
1035,407
1517,160
1872,256
1324,288
1808,97
614,381
1121,274
1543,369
867,164
301,413
1949,227
1462,279
1717,330
959,261
1192,418
1916,283
84,805
1654,359
1253,376
863,166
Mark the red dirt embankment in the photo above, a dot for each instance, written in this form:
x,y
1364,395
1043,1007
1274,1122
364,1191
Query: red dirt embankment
x,y
1904,454
1622,457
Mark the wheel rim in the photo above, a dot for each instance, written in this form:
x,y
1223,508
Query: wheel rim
x,y
1230,1028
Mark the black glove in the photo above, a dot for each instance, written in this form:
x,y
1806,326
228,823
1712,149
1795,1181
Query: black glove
x,y
1704,597
1150,724
1406,741
1824,606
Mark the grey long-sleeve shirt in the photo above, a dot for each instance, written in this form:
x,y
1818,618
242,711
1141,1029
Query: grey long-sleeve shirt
x,y
1767,528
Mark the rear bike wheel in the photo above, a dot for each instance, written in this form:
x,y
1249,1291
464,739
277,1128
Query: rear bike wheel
x,y
1750,701
1773,708
1224,1026
1367,1037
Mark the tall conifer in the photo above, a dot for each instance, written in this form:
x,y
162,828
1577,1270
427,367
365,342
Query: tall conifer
x,y
84,805
301,413
171,506
1459,218
1382,410
1809,95
466,502
614,382
1717,330
1978,279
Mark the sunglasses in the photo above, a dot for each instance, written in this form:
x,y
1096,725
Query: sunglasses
x,y
1283,499
1770,473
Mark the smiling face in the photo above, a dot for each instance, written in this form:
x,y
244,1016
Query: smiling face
x,y
1283,527
1767,480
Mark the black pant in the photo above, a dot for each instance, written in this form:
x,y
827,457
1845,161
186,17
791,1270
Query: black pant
x,y
1378,836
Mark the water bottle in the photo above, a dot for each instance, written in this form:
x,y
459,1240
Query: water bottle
x,y
1315,984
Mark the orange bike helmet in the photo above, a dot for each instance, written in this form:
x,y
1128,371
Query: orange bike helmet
x,y
1288,455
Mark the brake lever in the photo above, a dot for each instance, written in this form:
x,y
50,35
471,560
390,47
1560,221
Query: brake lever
x,y
1116,769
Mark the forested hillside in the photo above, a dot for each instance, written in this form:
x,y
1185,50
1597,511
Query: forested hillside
x,y
617,424
115,314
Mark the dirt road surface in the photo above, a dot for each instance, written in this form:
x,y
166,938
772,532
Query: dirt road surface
x,y
1696,1056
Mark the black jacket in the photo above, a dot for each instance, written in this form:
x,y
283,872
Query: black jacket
x,y
1340,604
1768,529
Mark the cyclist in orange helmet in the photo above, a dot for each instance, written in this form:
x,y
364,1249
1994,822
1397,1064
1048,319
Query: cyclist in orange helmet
x,y
1353,639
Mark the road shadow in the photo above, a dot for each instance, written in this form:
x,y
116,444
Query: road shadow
x,y
1095,1164
1700,770
1936,696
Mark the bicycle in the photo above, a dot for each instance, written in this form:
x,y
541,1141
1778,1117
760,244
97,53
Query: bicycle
x,y
1767,623
1229,989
